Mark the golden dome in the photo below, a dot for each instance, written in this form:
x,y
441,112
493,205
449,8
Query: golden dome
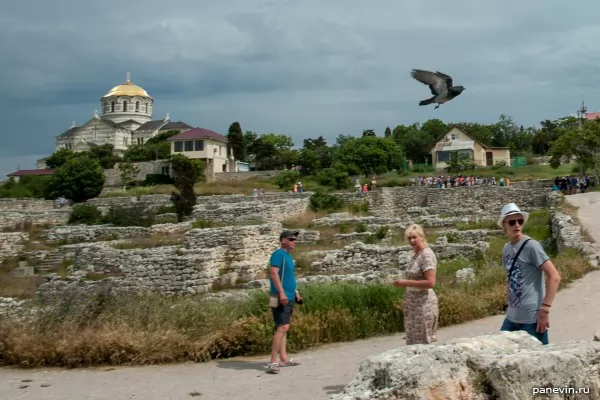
x,y
127,89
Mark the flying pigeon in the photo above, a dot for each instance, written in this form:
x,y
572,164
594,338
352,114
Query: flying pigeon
x,y
440,85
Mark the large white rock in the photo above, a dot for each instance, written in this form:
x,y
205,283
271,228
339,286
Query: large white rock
x,y
499,366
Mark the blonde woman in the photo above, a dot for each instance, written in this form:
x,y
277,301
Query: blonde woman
x,y
420,301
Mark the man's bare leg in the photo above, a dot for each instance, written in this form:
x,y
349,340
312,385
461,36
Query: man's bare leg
x,y
278,341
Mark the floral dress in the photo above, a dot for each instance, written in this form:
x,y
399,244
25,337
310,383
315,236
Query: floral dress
x,y
420,305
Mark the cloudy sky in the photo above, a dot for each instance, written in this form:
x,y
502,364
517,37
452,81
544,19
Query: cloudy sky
x,y
303,68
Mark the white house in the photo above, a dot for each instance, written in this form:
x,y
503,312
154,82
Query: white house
x,y
204,144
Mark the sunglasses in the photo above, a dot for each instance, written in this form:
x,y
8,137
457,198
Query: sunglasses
x,y
292,239
512,222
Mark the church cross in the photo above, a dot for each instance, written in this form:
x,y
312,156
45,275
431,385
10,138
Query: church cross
x,y
95,130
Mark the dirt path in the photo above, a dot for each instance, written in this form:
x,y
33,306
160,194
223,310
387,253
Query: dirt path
x,y
324,372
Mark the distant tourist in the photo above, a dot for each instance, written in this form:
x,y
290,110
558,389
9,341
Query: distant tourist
x,y
526,262
300,190
373,182
254,192
283,295
357,186
421,312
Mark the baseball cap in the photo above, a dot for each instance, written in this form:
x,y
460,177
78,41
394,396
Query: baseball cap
x,y
286,234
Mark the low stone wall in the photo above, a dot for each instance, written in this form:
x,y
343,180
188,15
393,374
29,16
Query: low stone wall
x,y
395,201
472,236
360,257
26,205
567,234
13,220
11,244
207,257
10,307
95,233
274,210
242,176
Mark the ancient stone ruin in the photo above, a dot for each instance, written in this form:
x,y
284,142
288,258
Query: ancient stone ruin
x,y
223,249
504,365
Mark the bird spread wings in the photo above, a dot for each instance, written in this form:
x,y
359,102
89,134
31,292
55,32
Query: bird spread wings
x,y
438,82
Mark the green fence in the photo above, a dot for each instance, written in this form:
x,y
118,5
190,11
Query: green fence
x,y
518,161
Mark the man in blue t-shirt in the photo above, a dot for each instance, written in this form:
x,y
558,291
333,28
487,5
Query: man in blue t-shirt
x,y
529,300
283,287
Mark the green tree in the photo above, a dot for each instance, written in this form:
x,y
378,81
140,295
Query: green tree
x,y
105,155
388,132
187,173
369,155
584,144
79,179
236,141
286,179
58,158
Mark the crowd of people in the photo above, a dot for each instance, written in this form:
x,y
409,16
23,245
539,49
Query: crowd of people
x,y
527,306
572,184
450,181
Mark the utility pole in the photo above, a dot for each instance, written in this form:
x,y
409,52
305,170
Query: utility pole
x,y
581,115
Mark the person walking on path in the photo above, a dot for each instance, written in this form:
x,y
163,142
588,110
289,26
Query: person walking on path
x,y
421,312
525,261
282,297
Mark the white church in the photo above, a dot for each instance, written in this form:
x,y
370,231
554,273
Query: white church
x,y
126,120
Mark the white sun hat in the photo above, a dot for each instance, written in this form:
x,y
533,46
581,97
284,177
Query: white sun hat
x,y
509,209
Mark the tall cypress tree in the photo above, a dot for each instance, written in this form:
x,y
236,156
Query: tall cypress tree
x,y
236,141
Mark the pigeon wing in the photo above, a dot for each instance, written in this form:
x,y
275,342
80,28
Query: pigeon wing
x,y
437,83
448,79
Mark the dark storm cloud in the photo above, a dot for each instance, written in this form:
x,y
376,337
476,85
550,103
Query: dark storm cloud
x,y
302,68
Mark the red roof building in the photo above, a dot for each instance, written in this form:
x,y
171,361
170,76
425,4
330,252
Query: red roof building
x,y
198,133
592,115
31,172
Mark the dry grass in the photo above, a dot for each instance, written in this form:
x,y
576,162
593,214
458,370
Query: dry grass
x,y
304,221
19,287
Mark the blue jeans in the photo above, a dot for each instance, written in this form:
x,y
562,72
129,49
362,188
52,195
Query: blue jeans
x,y
510,326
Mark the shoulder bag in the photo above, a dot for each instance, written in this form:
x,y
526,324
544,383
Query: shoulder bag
x,y
513,267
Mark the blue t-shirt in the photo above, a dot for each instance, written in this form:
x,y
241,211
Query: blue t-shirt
x,y
289,278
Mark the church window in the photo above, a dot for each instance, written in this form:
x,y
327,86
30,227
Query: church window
x,y
178,147
124,106
137,106
189,145
220,150
198,145
112,106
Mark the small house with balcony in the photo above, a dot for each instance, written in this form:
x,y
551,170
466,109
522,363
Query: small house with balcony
x,y
458,141
204,144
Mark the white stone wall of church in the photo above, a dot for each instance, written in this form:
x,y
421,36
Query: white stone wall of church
x,y
120,115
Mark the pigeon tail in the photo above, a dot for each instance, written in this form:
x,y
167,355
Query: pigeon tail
x,y
427,102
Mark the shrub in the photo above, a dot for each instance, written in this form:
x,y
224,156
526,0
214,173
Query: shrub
x,y
83,213
334,178
286,179
321,201
136,215
157,179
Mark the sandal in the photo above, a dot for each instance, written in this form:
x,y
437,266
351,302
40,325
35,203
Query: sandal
x,y
273,368
290,363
